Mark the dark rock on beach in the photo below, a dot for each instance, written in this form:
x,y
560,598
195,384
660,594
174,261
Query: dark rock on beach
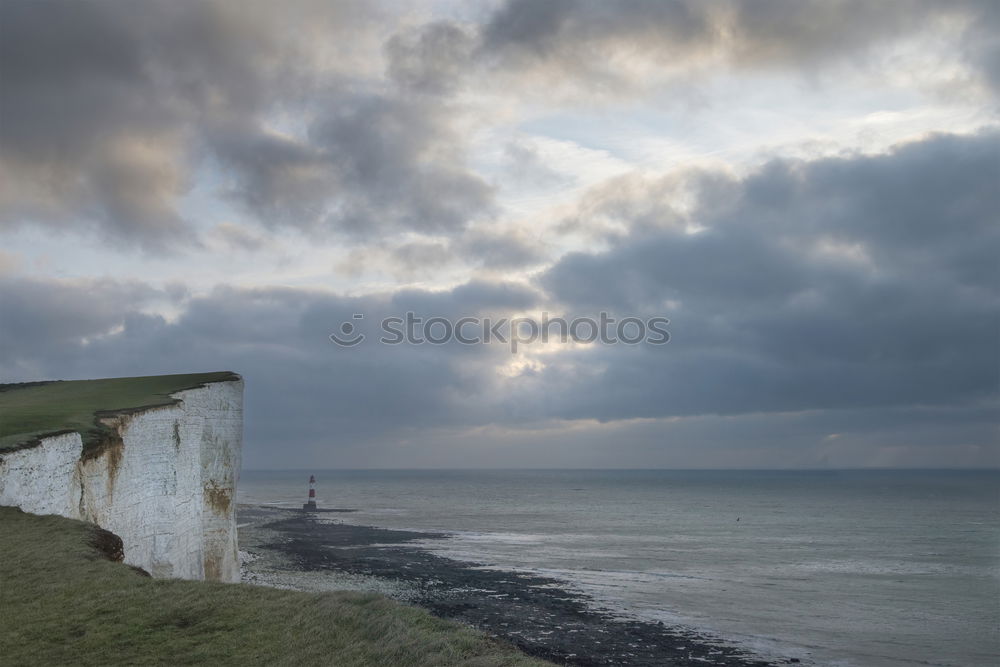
x,y
537,614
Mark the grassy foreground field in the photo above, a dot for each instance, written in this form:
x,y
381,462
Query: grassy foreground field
x,y
33,409
63,603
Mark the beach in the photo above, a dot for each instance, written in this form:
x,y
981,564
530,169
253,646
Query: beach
x,y
316,551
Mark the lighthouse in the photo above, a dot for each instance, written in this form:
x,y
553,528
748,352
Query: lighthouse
x,y
311,505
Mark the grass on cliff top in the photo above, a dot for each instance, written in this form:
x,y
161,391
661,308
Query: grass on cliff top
x,y
62,603
32,409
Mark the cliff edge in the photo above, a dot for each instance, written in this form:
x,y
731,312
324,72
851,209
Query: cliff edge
x,y
154,460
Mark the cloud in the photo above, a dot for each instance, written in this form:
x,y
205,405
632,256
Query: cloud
x,y
9,263
846,296
49,324
237,237
490,248
109,113
618,47
302,390
400,165
421,258
498,248
853,295
100,103
346,122
838,283
431,59
371,165
981,42
309,402
525,166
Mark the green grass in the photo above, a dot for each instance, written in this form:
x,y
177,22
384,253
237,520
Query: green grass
x,y
30,410
61,603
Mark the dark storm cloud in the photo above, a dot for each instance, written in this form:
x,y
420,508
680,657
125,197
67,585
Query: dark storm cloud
x,y
372,165
490,249
432,59
501,249
838,283
109,108
278,179
892,326
99,102
237,237
421,257
472,298
400,166
44,325
579,38
543,29
301,388
855,288
981,42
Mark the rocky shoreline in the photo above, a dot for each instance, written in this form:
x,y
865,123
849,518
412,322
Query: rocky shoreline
x,y
292,549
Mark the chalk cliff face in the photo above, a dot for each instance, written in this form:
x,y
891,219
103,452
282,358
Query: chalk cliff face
x,y
165,483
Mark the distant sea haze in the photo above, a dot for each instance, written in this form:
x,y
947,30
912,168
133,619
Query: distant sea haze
x,y
865,568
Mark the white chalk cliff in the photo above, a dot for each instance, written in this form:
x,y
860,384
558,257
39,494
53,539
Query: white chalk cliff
x,y
166,484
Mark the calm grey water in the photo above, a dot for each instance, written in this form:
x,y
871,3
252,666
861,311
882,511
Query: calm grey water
x,y
840,568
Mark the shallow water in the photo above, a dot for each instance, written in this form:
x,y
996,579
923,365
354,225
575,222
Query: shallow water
x,y
843,568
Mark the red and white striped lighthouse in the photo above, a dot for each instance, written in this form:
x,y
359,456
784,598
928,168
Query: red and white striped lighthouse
x,y
311,505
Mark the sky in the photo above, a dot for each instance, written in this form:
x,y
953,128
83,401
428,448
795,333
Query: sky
x,y
808,190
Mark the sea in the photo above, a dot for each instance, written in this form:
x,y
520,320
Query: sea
x,y
850,568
